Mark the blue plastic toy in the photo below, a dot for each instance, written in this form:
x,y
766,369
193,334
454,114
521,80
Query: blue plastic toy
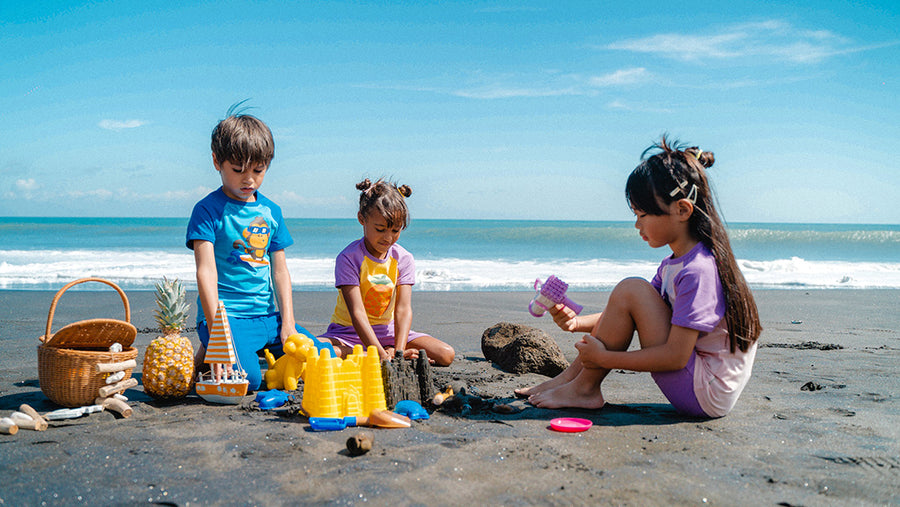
x,y
411,409
331,423
378,418
271,399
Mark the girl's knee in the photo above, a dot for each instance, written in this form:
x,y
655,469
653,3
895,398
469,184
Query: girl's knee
x,y
632,290
442,355
632,285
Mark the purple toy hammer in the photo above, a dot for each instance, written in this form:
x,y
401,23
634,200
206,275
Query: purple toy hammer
x,y
552,292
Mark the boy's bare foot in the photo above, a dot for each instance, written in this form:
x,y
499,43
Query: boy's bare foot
x,y
570,395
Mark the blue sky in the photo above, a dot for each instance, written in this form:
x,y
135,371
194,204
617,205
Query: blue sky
x,y
493,109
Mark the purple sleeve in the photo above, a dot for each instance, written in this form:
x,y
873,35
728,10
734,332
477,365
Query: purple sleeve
x,y
698,303
406,267
346,267
657,280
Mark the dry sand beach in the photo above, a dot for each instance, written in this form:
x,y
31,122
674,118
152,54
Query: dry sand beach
x,y
817,425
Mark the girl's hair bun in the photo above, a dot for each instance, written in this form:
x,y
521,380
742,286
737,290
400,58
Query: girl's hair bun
x,y
404,190
364,185
706,158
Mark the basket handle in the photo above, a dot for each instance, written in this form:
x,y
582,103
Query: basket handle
x,y
76,282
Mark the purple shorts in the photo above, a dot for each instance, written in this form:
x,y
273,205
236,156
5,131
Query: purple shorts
x,y
678,387
384,332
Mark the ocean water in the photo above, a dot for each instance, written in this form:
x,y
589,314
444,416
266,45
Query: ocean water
x,y
467,255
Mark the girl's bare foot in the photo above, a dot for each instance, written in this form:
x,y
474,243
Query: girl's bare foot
x,y
565,377
573,394
556,381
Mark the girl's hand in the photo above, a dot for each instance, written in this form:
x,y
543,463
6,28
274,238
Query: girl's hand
x,y
407,354
564,317
414,354
591,351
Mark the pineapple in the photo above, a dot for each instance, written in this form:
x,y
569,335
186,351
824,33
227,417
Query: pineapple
x,y
169,359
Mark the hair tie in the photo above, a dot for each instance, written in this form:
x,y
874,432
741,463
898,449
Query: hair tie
x,y
699,152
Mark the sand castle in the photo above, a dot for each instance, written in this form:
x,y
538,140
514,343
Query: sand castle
x,y
332,387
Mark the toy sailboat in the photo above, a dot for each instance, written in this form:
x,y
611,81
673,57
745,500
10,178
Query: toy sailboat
x,y
217,386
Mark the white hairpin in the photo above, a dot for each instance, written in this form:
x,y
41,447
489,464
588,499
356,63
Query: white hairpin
x,y
691,195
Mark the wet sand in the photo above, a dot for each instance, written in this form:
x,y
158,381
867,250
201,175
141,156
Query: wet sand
x,y
817,425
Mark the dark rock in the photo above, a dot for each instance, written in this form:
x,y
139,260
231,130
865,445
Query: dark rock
x,y
515,348
811,386
360,443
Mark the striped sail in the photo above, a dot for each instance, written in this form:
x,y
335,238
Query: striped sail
x,y
220,349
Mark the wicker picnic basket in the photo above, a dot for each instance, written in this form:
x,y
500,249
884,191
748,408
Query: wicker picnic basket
x,y
67,359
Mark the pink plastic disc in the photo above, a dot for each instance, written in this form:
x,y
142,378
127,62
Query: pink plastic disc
x,y
570,424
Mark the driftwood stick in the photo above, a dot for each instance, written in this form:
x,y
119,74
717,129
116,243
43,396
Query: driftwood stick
x,y
41,423
115,377
107,391
115,405
24,421
72,413
112,367
8,426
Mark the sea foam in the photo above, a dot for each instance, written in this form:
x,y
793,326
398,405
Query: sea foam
x,y
140,269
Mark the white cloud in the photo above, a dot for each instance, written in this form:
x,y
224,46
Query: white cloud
x,y
26,185
290,197
180,195
98,193
505,92
120,124
551,84
620,77
622,105
768,39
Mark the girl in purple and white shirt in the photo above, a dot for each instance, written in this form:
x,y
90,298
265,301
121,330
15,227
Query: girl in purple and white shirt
x,y
696,320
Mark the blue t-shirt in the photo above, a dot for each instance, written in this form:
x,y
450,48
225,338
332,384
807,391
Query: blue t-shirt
x,y
243,234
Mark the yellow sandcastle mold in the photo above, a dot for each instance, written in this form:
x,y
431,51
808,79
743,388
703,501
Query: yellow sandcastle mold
x,y
333,387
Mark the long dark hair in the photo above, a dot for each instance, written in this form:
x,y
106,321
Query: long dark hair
x,y
680,173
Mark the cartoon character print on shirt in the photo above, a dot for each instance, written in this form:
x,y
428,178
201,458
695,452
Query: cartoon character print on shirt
x,y
377,298
252,250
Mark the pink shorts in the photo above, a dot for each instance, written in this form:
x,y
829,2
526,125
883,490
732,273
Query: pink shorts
x,y
678,387
347,335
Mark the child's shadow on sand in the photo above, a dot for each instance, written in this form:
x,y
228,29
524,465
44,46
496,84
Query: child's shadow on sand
x,y
644,414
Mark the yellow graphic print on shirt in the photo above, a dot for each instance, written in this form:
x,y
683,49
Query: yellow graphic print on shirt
x,y
376,287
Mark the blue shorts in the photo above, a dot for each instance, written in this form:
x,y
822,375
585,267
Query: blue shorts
x,y
250,336
678,387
